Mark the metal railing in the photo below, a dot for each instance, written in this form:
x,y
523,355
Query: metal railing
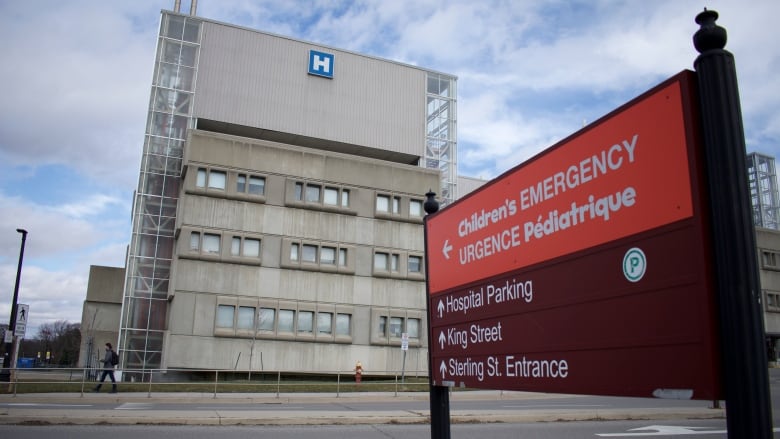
x,y
213,382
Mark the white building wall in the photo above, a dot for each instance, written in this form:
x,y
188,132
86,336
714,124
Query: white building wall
x,y
258,80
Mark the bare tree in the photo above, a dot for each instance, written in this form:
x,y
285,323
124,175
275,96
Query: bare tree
x,y
60,339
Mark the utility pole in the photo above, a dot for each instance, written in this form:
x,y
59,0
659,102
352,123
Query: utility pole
x,y
10,348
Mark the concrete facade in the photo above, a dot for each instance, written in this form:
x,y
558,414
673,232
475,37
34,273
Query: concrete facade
x,y
354,289
768,248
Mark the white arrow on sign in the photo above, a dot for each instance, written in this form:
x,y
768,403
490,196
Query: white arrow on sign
x,y
440,308
446,249
443,369
442,339
664,430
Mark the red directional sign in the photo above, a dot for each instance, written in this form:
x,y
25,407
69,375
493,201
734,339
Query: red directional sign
x,y
585,269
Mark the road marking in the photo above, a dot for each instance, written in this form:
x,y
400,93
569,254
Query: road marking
x,y
251,407
526,406
666,430
34,404
135,406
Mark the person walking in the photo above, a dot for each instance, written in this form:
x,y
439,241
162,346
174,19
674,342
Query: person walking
x,y
109,361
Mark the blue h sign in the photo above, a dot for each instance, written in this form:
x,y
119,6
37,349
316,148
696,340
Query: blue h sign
x,y
321,64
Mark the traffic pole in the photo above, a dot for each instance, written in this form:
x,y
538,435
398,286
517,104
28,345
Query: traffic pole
x,y
744,371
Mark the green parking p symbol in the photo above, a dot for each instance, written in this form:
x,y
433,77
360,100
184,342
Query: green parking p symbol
x,y
634,264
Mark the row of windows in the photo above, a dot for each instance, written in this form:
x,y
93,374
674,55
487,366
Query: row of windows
x,y
770,259
396,326
246,248
391,205
326,195
204,244
290,321
309,323
389,264
304,194
239,183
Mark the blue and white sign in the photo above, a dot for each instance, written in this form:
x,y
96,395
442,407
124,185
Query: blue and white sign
x,y
321,64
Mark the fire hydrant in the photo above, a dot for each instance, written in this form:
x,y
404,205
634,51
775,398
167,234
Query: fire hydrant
x,y
358,372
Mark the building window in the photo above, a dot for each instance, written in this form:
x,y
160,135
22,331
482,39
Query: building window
x,y
217,180
342,257
298,191
331,196
246,247
286,320
345,198
200,179
195,241
396,205
769,258
382,325
328,255
251,248
383,203
415,208
415,264
324,323
305,321
309,253
210,243
312,193
294,250
246,317
394,262
413,328
266,319
225,316
772,301
257,185
343,324
241,183
380,261
396,326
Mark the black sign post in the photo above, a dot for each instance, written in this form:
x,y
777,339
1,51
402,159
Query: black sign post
x,y
743,358
439,395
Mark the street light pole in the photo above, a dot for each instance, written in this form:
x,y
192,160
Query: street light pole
x,y
9,347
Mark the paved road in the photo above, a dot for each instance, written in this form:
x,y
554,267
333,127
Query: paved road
x,y
539,430
365,408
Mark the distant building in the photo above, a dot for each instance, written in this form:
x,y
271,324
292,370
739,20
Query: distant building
x,y
100,314
467,185
763,190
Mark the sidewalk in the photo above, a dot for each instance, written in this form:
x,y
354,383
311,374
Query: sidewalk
x,y
71,408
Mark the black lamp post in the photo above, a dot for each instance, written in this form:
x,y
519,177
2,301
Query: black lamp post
x,y
5,375
439,395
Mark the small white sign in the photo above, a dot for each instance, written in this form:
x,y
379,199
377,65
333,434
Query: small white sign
x,y
22,313
404,341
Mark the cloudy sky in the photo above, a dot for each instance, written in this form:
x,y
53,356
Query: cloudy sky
x,y
75,80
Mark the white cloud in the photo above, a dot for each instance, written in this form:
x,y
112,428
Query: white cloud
x,y
52,295
55,234
75,76
90,206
